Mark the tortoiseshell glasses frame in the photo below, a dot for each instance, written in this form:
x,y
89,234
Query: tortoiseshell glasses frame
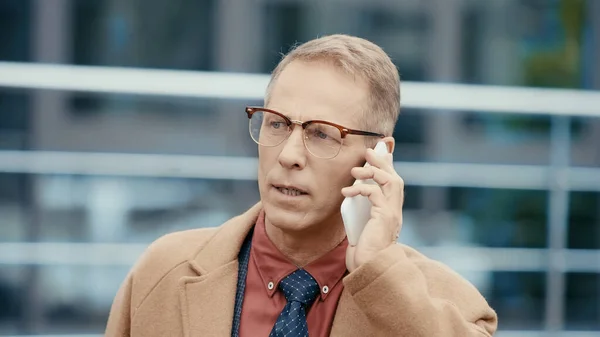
x,y
321,138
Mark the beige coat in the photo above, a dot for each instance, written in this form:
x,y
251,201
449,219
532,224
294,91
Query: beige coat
x,y
185,284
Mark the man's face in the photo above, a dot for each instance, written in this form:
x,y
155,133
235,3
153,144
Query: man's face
x,y
310,91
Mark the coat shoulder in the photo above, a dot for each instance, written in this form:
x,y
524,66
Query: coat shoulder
x,y
174,248
164,255
445,283
428,265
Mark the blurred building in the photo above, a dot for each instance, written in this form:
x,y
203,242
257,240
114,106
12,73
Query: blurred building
x,y
527,234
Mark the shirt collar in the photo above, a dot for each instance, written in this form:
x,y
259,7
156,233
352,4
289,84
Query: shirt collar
x,y
273,266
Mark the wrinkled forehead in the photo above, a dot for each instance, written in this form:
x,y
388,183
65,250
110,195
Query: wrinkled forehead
x,y
319,90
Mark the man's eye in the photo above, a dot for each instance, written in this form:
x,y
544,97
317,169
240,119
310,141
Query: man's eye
x,y
321,134
276,125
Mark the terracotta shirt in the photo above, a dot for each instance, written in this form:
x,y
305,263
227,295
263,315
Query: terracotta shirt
x,y
263,300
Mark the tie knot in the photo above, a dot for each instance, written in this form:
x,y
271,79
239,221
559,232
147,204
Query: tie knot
x,y
299,286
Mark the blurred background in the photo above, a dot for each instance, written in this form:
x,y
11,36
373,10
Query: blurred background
x,y
95,163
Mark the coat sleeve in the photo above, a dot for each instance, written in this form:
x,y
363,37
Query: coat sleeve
x,y
416,296
119,319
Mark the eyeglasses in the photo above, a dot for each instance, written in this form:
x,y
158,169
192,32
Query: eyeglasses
x,y
321,138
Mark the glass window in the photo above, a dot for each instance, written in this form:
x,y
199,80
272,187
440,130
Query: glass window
x,y
519,300
14,198
283,31
585,141
410,136
15,30
528,43
502,218
12,298
116,209
492,138
66,299
14,120
124,123
134,33
584,220
582,310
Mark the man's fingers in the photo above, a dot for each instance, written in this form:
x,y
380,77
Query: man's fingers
x,y
390,183
371,172
373,192
385,162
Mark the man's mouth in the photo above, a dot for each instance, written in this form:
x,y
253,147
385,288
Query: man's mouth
x,y
290,191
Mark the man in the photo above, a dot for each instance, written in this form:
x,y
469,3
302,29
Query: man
x,y
285,268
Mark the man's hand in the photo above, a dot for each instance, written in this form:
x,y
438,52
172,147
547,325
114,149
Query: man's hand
x,y
387,198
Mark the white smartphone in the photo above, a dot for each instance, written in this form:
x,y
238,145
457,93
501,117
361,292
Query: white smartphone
x,y
356,211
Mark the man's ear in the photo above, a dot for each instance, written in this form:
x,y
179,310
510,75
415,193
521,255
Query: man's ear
x,y
390,142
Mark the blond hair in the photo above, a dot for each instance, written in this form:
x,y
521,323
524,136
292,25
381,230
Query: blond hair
x,y
361,58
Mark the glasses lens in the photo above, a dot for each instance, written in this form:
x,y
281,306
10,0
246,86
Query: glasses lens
x,y
267,128
323,140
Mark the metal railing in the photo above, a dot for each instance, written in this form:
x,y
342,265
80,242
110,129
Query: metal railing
x,y
498,99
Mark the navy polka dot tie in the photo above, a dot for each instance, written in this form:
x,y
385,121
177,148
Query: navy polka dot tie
x,y
300,289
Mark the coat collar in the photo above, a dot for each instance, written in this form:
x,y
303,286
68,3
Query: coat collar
x,y
225,244
207,300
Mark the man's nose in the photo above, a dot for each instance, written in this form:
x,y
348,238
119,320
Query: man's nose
x,y
293,154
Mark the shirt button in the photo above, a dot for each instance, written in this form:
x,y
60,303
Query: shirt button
x,y
271,285
325,289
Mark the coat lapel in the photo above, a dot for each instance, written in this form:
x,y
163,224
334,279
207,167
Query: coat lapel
x,y
207,300
349,320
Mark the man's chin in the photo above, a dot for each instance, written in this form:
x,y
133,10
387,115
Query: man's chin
x,y
284,217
